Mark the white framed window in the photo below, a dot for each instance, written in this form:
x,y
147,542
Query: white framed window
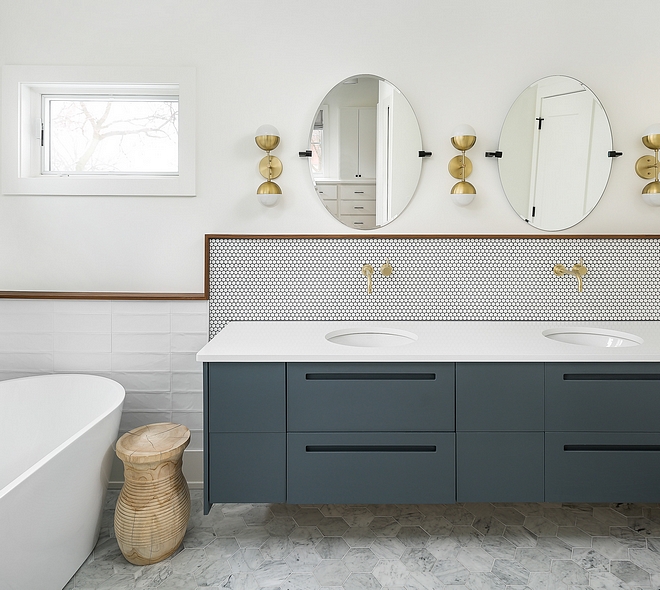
x,y
98,130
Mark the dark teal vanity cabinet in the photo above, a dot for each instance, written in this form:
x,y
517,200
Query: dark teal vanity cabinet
x,y
311,433
244,432
380,433
602,440
499,432
408,433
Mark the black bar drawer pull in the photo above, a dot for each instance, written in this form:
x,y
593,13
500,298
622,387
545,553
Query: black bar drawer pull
x,y
610,448
370,376
611,377
370,449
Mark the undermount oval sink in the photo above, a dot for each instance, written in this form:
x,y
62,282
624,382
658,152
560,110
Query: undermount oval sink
x,y
370,337
599,337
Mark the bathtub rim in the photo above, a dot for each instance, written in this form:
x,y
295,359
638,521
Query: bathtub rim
x,y
114,386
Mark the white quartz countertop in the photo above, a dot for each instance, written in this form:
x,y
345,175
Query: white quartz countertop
x,y
463,341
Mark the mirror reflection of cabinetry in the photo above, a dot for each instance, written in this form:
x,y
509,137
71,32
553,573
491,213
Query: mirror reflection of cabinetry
x,y
353,203
365,144
357,143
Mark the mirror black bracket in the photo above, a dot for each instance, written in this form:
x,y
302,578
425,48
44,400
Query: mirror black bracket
x,y
305,154
497,154
613,154
425,154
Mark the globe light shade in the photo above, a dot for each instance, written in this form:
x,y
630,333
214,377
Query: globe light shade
x,y
463,137
651,194
267,137
651,137
462,193
267,130
652,199
269,193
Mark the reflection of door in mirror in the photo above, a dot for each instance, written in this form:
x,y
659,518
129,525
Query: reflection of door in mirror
x,y
554,143
365,142
384,153
405,165
557,199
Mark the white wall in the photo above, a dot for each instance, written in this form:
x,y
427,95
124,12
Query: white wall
x,y
260,61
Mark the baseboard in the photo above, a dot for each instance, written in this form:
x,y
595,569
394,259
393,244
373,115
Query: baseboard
x,y
193,470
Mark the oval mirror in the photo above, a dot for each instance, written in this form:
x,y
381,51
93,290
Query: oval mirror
x,y
555,163
365,143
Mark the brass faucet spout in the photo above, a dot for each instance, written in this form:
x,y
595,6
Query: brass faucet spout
x,y
368,271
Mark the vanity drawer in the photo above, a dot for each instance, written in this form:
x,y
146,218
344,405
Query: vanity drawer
x,y
374,468
370,397
499,467
331,206
246,397
359,221
357,207
363,192
602,467
247,467
327,191
614,397
505,397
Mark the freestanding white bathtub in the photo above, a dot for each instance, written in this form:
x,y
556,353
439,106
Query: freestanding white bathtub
x,y
56,445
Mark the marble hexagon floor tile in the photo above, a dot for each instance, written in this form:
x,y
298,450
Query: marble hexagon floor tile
x,y
523,546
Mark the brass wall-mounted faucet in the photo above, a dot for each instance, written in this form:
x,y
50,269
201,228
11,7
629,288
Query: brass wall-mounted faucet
x,y
368,271
578,271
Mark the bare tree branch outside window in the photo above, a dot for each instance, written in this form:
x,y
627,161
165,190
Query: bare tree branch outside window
x,y
113,136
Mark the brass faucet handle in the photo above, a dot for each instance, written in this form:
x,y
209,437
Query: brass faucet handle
x,y
559,269
580,268
386,269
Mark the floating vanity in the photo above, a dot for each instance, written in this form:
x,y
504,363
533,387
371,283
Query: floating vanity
x,y
453,410
432,412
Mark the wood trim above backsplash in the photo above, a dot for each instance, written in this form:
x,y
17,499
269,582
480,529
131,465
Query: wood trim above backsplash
x,y
548,236
123,296
105,295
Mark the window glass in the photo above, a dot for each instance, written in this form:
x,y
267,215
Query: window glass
x,y
106,135
317,152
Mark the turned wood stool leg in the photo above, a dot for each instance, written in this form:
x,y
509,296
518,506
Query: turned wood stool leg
x,y
153,507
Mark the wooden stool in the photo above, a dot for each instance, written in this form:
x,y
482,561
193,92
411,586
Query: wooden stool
x,y
154,505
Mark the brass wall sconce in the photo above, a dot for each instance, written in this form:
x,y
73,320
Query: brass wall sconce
x,y
270,167
647,166
460,167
